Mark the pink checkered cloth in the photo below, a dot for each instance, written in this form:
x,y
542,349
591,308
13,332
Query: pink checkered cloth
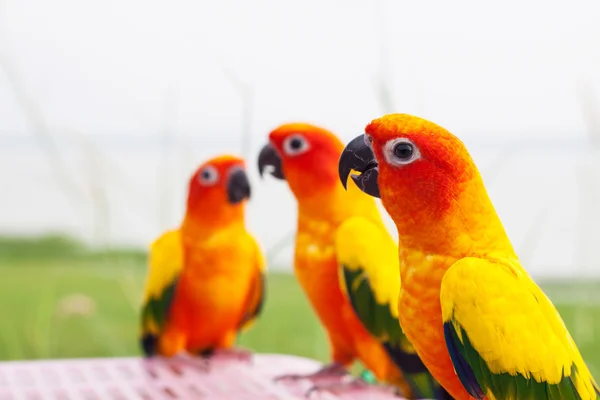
x,y
133,379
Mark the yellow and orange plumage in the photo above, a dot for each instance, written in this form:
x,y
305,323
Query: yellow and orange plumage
x,y
206,279
352,291
479,322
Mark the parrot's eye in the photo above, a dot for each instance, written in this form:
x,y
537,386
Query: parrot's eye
x,y
401,151
369,140
208,176
294,145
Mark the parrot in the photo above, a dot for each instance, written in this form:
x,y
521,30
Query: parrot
x,y
346,263
476,318
206,279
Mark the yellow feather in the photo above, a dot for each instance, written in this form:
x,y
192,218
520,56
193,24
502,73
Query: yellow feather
x,y
257,294
363,245
510,322
165,263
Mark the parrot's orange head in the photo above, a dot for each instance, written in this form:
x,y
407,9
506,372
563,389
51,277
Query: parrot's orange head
x,y
218,188
415,166
306,156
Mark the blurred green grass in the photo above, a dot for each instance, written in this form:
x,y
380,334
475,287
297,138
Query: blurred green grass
x,y
77,303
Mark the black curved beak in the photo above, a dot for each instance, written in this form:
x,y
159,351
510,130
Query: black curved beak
x,y
268,157
358,156
238,186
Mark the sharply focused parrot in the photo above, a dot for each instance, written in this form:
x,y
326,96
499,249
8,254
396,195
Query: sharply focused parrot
x,y
346,263
479,322
206,279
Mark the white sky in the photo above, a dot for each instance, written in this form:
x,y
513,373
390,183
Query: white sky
x,y
106,66
109,69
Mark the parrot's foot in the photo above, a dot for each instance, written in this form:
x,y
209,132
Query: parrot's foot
x,y
237,354
333,372
179,362
355,387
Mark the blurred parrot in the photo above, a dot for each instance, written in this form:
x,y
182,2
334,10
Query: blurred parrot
x,y
206,279
346,263
479,322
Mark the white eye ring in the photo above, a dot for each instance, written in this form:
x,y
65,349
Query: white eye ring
x,y
295,144
208,176
401,151
369,140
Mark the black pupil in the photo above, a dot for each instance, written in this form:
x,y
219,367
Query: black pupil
x,y
296,144
206,174
403,151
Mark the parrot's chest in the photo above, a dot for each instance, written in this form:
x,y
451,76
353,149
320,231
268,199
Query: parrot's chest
x,y
317,270
419,302
420,312
216,279
315,246
315,265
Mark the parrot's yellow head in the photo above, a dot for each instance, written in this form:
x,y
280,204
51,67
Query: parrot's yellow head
x,y
306,156
218,190
418,168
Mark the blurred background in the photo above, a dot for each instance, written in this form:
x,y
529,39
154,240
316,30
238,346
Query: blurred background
x,y
107,106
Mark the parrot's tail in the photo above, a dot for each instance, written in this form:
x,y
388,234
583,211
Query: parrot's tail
x,y
442,394
148,343
419,378
424,386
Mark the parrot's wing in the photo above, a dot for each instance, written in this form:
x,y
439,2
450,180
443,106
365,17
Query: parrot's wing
x,y
256,298
370,278
505,338
164,266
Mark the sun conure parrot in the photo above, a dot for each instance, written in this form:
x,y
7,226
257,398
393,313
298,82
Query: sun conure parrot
x,y
479,322
346,263
206,279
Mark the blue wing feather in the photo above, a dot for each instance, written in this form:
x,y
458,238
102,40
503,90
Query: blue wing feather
x,y
462,368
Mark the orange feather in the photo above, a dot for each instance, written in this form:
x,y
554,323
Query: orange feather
x,y
322,206
218,287
438,222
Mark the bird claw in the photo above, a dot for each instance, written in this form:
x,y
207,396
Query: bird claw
x,y
179,361
332,372
175,364
288,377
231,354
336,389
